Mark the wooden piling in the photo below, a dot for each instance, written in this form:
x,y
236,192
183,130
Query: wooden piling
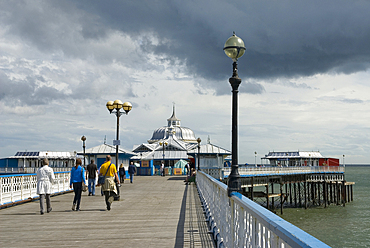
x,y
295,195
305,194
344,193
281,198
325,194
299,195
273,198
338,192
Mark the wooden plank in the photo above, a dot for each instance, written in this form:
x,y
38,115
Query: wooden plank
x,y
153,212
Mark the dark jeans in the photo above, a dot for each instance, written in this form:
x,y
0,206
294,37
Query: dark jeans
x,y
91,182
77,188
131,177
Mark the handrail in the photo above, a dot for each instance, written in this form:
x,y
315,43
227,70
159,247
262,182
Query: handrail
x,y
20,187
29,170
237,221
284,170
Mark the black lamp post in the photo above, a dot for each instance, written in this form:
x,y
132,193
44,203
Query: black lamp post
x,y
199,140
344,165
234,48
163,143
83,138
255,159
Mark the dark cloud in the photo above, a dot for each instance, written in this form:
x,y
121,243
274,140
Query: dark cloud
x,y
27,92
283,38
295,85
253,88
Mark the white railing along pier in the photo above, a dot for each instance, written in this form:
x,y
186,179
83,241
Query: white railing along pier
x,y
21,187
221,173
237,221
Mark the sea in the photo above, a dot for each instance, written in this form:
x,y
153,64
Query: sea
x,y
338,226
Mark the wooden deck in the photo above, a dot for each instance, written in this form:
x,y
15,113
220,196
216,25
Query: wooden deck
x,y
153,212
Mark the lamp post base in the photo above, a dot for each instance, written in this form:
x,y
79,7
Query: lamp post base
x,y
234,182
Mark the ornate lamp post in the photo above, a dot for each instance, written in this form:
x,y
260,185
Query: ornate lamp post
x,y
344,165
115,108
199,140
83,138
255,159
234,48
163,143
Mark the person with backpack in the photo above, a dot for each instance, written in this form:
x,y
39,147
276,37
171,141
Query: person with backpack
x,y
109,186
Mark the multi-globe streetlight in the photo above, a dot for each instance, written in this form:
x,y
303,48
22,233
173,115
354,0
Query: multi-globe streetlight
x,y
116,108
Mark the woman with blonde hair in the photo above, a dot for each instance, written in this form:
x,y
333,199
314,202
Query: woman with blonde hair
x,y
45,179
122,173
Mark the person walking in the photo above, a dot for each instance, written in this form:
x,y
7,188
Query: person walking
x,y
162,169
45,179
131,171
122,173
109,187
92,169
77,177
187,167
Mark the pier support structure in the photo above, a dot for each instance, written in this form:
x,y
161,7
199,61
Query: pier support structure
x,y
301,190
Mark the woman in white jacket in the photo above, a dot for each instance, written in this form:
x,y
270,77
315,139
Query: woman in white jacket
x,y
45,179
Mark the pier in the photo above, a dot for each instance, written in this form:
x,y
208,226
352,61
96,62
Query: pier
x,y
152,212
155,212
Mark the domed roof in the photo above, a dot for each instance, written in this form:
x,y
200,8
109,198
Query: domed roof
x,y
173,128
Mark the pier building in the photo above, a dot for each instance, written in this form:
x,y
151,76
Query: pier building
x,y
173,143
29,162
99,153
298,158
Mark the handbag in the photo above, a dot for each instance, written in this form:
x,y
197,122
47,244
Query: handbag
x,y
84,186
101,179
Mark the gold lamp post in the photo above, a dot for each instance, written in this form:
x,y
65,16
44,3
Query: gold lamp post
x,y
116,108
234,48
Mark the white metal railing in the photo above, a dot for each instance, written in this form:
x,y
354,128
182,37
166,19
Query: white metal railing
x,y
30,169
237,221
284,170
22,187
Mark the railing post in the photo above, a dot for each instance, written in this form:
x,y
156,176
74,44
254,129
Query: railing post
x,y
1,190
22,181
11,188
30,188
232,224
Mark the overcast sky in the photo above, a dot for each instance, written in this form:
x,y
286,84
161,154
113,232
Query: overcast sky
x,y
305,74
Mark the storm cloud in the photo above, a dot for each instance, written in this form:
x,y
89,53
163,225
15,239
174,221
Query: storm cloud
x,y
305,67
283,38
